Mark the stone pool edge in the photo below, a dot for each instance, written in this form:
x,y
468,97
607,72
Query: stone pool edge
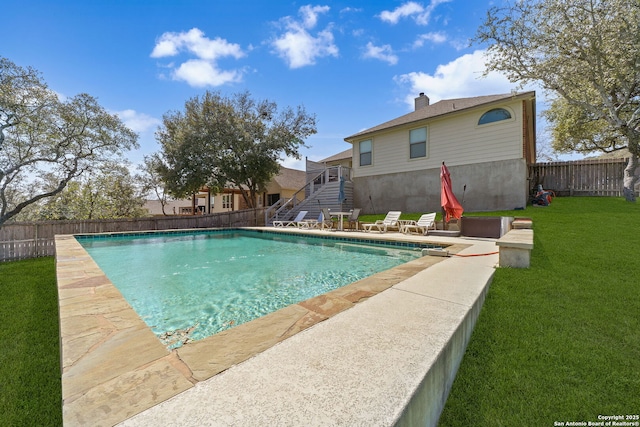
x,y
114,367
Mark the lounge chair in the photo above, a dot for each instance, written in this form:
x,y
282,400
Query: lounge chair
x,y
295,223
314,223
353,219
425,223
391,220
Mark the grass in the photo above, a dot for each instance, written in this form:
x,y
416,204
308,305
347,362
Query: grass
x,y
30,386
559,341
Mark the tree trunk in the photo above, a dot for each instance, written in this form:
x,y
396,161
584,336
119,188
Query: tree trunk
x,y
630,178
249,197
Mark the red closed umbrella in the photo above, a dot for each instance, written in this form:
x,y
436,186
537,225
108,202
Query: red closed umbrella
x,y
448,201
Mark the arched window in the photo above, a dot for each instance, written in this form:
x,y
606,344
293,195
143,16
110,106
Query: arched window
x,y
495,115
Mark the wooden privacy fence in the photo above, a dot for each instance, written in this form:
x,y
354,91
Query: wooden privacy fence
x,y
23,240
598,177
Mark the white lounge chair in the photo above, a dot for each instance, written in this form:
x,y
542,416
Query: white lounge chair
x,y
320,223
295,223
425,223
391,220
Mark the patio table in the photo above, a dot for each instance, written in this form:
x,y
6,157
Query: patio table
x,y
340,216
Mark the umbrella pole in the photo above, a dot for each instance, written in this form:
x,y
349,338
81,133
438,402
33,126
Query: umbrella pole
x,y
444,214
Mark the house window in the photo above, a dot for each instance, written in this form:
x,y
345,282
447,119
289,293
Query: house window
x,y
226,201
365,152
418,143
272,199
495,115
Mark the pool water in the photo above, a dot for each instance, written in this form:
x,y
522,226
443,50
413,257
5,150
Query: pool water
x,y
188,287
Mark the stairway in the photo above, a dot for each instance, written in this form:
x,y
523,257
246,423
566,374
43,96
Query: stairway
x,y
319,194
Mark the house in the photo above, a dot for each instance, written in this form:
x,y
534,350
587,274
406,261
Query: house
x,y
344,158
284,185
487,142
327,185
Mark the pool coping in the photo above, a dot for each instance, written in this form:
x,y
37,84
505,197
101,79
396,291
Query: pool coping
x,y
114,367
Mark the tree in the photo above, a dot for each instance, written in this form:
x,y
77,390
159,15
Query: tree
x,y
221,141
574,129
152,181
586,53
108,192
42,135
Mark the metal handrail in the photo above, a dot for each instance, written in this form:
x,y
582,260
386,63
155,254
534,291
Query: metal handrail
x,y
288,205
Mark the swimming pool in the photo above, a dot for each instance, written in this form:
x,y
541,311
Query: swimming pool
x,y
187,286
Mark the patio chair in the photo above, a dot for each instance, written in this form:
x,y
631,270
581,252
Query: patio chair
x,y
391,220
425,223
295,223
326,221
353,219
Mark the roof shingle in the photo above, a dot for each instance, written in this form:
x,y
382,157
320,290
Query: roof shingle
x,y
346,154
291,179
440,108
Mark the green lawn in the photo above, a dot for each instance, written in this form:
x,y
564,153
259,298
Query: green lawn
x,y
559,341
30,387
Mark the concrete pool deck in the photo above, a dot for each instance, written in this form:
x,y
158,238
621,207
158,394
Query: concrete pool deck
x,y
364,354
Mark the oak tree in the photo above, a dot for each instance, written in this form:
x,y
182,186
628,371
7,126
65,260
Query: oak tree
x,y
40,134
151,180
106,192
233,141
587,54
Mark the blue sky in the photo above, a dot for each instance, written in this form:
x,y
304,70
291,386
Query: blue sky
x,y
354,64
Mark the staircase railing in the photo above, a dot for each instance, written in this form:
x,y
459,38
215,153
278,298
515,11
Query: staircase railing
x,y
282,210
285,209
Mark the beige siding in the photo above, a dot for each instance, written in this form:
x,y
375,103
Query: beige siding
x,y
456,140
217,203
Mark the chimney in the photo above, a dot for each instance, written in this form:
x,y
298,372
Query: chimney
x,y
422,101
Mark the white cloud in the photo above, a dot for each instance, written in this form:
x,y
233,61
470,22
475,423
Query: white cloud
x,y
293,163
383,53
297,46
350,10
194,41
434,38
202,71
417,11
166,46
459,44
310,15
460,78
407,9
137,122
